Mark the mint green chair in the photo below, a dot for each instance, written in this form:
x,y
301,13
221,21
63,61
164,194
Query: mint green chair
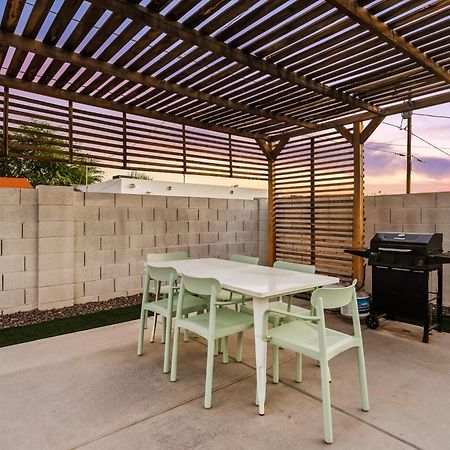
x,y
164,288
307,335
166,307
213,325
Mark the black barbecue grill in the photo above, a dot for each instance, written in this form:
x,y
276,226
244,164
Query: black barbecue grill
x,y
401,267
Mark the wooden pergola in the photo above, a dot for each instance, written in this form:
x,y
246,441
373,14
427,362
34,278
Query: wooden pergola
x,y
229,85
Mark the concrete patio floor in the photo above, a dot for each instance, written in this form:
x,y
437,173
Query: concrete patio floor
x,y
90,390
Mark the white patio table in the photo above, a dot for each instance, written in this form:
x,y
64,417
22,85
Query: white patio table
x,y
259,282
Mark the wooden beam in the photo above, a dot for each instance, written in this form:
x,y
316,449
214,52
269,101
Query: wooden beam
x,y
144,16
370,128
345,133
279,148
70,129
124,140
5,143
50,91
271,226
408,155
312,203
358,199
360,15
79,60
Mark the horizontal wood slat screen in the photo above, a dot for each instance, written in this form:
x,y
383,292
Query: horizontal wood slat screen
x,y
48,129
313,199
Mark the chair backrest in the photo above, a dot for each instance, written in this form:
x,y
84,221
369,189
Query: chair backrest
x,y
305,268
245,259
334,297
201,286
162,273
172,256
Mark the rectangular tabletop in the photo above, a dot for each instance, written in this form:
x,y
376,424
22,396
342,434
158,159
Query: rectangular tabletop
x,y
248,279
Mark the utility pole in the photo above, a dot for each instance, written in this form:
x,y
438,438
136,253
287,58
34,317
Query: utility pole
x,y
408,116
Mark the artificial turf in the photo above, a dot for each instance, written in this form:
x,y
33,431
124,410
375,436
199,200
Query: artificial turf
x,y
11,336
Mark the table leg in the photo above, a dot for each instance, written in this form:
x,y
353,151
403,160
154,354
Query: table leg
x,y
259,307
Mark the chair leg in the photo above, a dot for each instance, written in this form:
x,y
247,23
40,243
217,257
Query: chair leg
x,y
221,345
166,368
240,339
185,332
326,403
216,347
163,334
298,367
146,319
363,380
275,364
225,349
173,369
152,336
141,331
209,374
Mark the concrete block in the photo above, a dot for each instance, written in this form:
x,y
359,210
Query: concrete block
x,y
142,241
251,248
187,214
113,214
130,200
15,309
215,225
28,196
235,225
9,196
54,261
164,214
198,251
227,237
438,216
428,199
128,255
128,283
178,248
82,300
198,227
380,215
189,238
141,214
166,240
211,237
263,203
89,243
98,287
148,250
31,297
405,215
57,245
137,268
56,304
31,229
86,273
236,248
86,213
251,204
55,195
208,215
369,201
226,214
177,227
218,203
99,228
156,227
94,258
98,199
12,230
443,199
15,263
198,202
78,198
177,202
235,204
154,201
55,212
56,229
114,270
114,242
388,227
250,225
129,228
389,201
113,294
244,236
52,294
218,251
10,299
419,228
55,277
17,213
242,214
19,247
19,280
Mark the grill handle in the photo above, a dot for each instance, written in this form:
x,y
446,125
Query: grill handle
x,y
396,250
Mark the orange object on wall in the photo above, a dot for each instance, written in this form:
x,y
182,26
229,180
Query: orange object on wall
x,y
7,182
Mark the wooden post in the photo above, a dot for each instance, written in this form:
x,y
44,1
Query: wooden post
x,y
271,230
230,155
5,143
408,156
124,139
313,205
70,114
358,199
183,128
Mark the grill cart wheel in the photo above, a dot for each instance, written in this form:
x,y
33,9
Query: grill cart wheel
x,y
372,322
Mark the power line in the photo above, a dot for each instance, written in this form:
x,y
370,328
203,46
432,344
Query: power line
x,y
397,154
437,116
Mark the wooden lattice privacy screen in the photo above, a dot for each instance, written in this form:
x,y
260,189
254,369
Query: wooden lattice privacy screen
x,y
313,200
92,136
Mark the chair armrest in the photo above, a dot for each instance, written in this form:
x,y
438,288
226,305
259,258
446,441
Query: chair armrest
x,y
231,302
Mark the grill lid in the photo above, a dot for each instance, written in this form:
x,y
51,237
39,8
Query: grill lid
x,y
414,243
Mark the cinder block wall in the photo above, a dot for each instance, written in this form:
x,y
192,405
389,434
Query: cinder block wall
x,y
414,213
59,247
